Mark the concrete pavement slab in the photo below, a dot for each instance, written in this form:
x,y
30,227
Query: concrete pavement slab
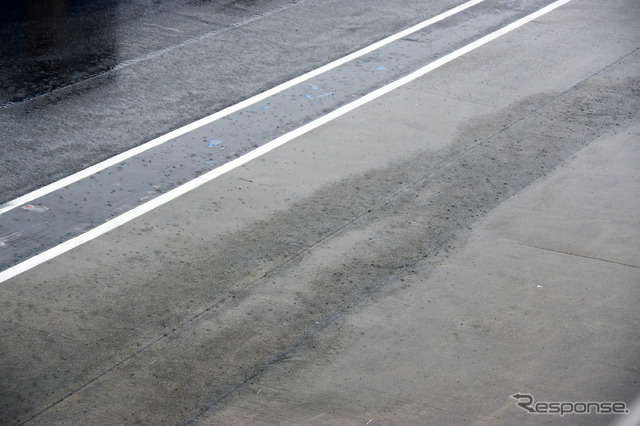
x,y
543,222
496,317
264,280
571,55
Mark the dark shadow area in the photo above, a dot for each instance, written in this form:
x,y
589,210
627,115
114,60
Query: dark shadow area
x,y
48,44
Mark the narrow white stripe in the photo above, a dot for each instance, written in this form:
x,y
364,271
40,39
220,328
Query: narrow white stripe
x,y
219,171
223,113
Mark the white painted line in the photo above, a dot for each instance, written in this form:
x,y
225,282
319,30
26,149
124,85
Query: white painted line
x,y
225,112
219,171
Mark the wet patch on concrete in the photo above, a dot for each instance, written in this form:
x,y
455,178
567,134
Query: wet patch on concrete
x,y
221,312
391,242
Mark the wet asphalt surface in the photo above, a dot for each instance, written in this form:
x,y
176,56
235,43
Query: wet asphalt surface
x,y
167,318
47,221
83,81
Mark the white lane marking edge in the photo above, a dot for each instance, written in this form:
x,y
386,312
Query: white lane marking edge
x,y
10,205
219,171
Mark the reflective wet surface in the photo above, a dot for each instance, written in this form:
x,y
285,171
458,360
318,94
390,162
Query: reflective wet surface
x,y
405,256
48,44
92,201
139,69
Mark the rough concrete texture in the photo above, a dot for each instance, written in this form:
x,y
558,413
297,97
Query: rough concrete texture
x,y
387,267
524,305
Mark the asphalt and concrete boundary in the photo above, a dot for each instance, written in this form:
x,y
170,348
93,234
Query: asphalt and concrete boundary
x,y
467,237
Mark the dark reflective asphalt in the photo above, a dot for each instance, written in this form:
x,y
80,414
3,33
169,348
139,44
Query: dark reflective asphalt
x,y
48,44
71,211
51,44
81,82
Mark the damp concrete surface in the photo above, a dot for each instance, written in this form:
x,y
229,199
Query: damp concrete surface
x,y
469,236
